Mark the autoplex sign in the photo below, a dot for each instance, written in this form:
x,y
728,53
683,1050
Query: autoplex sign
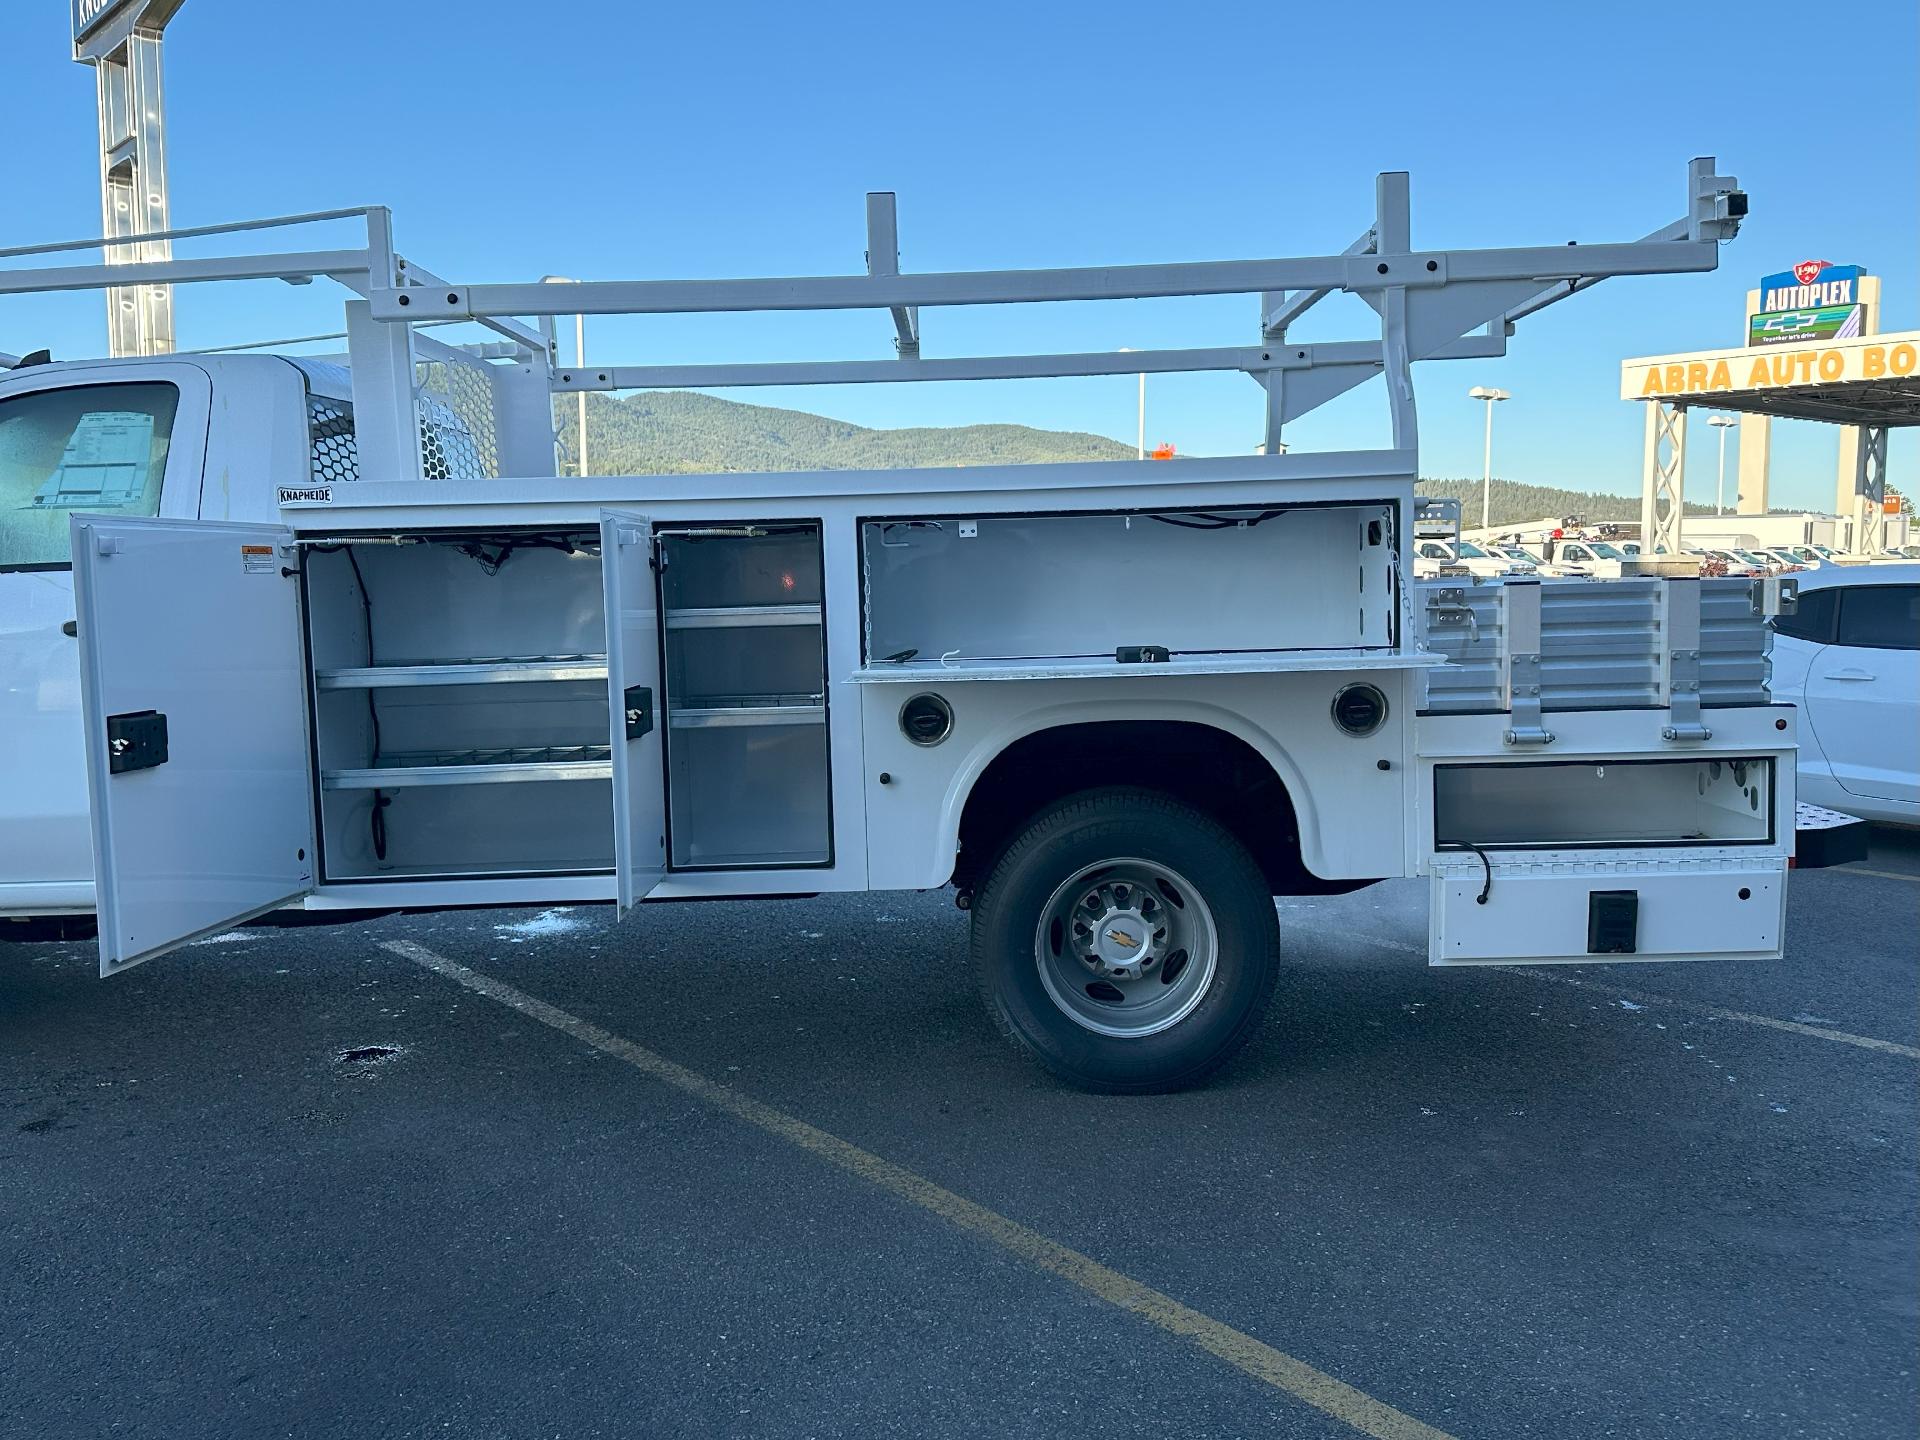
x,y
1712,372
1815,300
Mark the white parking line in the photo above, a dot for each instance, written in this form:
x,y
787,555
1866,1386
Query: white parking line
x,y
1642,997
1877,874
1717,1012
1253,1357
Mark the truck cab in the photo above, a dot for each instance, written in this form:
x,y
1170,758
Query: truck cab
x,y
178,436
191,437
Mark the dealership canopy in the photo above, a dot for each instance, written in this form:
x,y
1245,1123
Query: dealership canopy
x,y
1868,381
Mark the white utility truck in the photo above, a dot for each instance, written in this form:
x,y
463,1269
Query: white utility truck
x,y
1116,706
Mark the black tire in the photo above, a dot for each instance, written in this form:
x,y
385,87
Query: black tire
x,y
1074,838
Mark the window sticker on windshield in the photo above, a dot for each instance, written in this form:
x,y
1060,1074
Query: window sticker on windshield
x,y
257,560
104,463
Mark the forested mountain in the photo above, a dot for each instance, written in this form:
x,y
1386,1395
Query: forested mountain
x,y
678,432
1513,502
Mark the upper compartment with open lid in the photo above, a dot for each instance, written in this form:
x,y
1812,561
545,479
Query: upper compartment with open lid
x,y
1287,577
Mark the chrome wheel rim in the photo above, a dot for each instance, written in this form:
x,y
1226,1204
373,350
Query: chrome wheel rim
x,y
1126,948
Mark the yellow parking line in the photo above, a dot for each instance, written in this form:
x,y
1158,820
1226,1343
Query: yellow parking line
x,y
1254,1357
1877,874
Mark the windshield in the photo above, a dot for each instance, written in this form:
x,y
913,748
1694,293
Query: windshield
x,y
1604,550
1471,551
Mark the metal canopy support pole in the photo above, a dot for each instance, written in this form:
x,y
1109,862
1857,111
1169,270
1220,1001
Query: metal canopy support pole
x,y
1661,505
1870,492
122,44
1754,464
1853,438
883,258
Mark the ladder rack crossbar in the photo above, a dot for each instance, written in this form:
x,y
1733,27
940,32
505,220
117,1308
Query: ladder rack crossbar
x,y
1430,305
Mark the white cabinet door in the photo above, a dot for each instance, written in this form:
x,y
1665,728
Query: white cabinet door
x,y
193,696
633,694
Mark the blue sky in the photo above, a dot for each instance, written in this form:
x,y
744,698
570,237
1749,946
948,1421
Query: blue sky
x,y
629,140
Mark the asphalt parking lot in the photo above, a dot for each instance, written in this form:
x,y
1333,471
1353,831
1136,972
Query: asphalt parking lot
x,y
764,1169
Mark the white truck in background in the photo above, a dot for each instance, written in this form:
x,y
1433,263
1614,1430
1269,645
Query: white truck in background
x,y
342,640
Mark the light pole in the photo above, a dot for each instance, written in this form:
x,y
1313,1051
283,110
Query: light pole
x,y
1491,396
1141,441
1722,423
580,363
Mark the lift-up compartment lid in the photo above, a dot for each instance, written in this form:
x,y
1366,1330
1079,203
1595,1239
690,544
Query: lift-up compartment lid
x,y
193,698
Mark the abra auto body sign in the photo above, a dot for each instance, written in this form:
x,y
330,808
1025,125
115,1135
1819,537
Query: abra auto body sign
x,y
1816,300
1712,372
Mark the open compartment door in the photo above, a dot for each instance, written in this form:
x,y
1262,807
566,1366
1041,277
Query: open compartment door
x,y
633,690
193,696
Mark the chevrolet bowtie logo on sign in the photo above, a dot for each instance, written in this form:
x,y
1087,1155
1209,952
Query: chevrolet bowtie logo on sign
x,y
1791,323
1815,300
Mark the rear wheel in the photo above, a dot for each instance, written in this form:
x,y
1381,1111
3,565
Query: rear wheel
x,y
1126,941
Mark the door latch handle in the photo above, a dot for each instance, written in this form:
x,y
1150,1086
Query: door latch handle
x,y
638,705
1849,675
136,741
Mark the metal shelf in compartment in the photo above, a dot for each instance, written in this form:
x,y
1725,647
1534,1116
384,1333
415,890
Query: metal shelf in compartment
x,y
503,669
734,617
476,767
713,711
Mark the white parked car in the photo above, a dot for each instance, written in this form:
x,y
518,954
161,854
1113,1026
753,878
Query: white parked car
x,y
1850,659
1745,562
1463,557
1520,555
1815,557
1563,556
